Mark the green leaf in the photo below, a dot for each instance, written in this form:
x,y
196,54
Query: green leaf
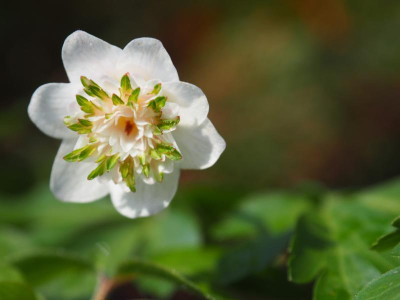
x,y
39,267
142,267
190,261
12,239
387,241
9,273
252,257
10,290
390,240
274,212
385,287
56,274
308,250
332,245
115,239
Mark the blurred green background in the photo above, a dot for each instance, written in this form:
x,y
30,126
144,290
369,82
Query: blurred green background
x,y
303,91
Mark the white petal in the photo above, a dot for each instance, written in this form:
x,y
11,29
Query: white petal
x,y
166,167
148,199
81,142
85,54
147,59
68,180
49,104
126,143
170,110
193,104
200,146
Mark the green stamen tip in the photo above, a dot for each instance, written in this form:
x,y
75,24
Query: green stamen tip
x,y
154,154
142,159
156,89
96,91
97,103
125,85
146,170
157,130
112,161
133,98
68,120
81,153
85,81
100,170
85,122
169,151
117,100
128,174
159,177
85,104
168,124
124,169
79,128
158,103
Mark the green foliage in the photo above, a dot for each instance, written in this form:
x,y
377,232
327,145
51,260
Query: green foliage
x,y
10,290
150,269
252,257
390,240
386,286
275,212
40,267
308,249
332,244
61,250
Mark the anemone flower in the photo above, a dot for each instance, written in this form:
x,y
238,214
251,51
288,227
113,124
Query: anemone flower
x,y
127,124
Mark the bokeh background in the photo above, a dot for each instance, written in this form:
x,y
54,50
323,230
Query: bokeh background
x,y
305,92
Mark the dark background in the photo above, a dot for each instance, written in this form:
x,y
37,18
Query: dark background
x,y
301,90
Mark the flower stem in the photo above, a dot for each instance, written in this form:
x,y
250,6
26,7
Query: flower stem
x,y
106,285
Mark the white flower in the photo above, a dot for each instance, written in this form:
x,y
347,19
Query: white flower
x,y
127,124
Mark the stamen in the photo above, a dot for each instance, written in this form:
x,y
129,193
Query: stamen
x,y
101,118
128,127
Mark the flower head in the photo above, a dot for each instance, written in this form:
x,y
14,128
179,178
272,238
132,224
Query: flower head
x,y
127,123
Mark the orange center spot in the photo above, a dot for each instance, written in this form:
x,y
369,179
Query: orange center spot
x,y
128,127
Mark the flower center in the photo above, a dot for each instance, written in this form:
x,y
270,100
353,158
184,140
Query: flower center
x,y
129,127
128,134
